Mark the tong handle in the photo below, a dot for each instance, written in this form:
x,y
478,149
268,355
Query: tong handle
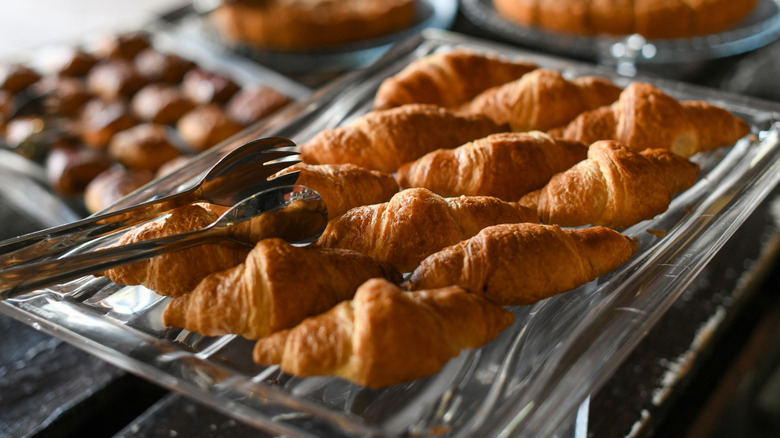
x,y
53,241
24,278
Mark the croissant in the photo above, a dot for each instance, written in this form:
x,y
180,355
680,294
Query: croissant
x,y
645,117
505,165
176,273
384,140
275,288
615,187
541,100
520,264
448,79
344,186
416,223
385,336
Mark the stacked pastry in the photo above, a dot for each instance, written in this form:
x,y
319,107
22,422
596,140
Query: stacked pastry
x,y
123,113
464,192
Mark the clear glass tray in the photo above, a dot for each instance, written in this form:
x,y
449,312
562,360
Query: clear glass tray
x,y
530,381
761,27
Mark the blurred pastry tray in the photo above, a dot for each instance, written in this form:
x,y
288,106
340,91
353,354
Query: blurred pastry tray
x,y
195,23
761,27
529,381
163,38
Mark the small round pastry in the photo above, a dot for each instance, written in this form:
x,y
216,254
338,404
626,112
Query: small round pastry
x,y
161,67
70,169
100,120
73,61
299,25
7,106
253,103
201,86
172,165
16,77
115,78
125,46
205,126
64,95
143,147
160,103
111,185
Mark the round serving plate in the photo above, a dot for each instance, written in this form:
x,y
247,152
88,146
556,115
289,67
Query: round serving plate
x,y
761,27
430,14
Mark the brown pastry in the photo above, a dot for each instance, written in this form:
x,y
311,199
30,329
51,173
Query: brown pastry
x,y
386,336
520,264
70,169
157,66
270,292
16,77
100,120
172,165
73,62
416,223
541,100
63,95
384,140
202,86
111,185
205,126
505,165
448,79
143,147
615,187
123,46
114,79
345,186
253,103
301,25
160,103
176,273
651,18
645,117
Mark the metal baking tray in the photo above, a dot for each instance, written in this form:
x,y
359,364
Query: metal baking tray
x,y
530,381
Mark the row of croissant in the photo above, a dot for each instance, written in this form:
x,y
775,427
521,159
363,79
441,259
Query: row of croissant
x,y
475,174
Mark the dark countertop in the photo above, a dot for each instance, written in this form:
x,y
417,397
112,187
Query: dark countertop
x,y
710,367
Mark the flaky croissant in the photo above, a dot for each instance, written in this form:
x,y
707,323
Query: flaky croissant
x,y
615,187
505,165
344,186
176,273
645,117
416,223
520,264
384,140
276,287
542,99
385,336
448,79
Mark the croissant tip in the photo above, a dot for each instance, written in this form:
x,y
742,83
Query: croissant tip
x,y
175,312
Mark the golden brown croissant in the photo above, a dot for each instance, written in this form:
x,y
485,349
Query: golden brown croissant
x,y
615,187
541,100
416,223
385,336
176,273
645,117
506,165
275,288
384,140
520,264
344,186
448,79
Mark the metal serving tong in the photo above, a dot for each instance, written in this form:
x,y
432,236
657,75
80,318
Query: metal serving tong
x,y
242,172
304,203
